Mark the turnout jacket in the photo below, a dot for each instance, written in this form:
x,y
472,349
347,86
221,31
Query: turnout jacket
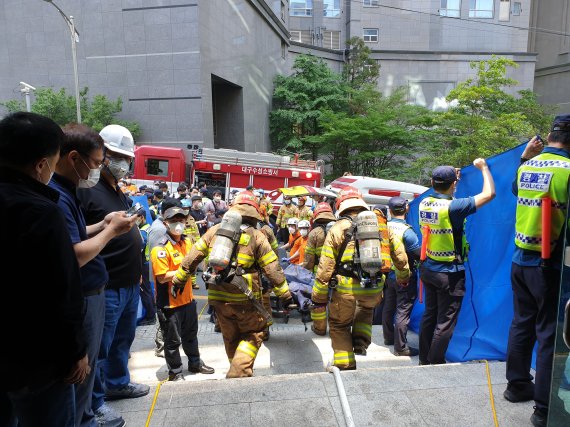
x,y
254,254
286,212
268,233
314,247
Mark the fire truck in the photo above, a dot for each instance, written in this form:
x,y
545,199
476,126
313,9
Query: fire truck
x,y
224,169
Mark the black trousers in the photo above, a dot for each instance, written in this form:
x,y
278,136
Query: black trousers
x,y
444,294
535,302
147,295
284,234
180,327
398,305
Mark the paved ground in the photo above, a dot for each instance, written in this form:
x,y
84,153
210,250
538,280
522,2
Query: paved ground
x,y
291,387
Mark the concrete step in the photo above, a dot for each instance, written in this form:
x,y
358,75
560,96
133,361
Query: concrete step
x,y
445,395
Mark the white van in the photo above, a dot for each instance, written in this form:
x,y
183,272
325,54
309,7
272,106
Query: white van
x,y
376,191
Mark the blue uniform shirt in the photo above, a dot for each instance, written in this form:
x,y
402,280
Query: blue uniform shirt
x,y
528,258
411,244
459,209
93,274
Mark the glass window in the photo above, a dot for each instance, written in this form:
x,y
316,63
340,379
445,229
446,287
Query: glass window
x,y
370,3
157,167
481,8
301,8
505,10
450,8
370,35
331,8
331,39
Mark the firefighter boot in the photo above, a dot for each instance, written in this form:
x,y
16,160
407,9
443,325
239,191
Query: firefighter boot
x,y
362,324
319,317
341,315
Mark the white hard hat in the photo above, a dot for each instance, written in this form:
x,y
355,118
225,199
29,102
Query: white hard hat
x,y
304,224
292,221
118,139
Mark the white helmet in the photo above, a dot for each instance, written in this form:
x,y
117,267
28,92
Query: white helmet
x,y
118,139
304,224
293,221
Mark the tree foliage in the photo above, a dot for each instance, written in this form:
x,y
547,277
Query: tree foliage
x,y
96,112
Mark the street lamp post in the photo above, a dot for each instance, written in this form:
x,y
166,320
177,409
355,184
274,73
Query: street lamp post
x,y
74,40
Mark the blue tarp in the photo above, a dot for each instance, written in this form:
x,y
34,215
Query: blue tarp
x,y
483,325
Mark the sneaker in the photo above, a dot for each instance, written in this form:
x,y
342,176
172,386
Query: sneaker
x,y
196,286
539,418
388,342
409,351
108,417
176,377
519,392
130,391
202,369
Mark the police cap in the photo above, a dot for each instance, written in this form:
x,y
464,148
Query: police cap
x,y
444,175
561,123
397,204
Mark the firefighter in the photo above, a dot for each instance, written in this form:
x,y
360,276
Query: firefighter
x,y
264,227
176,305
305,212
536,281
443,271
322,217
264,201
399,297
192,234
356,281
241,320
286,212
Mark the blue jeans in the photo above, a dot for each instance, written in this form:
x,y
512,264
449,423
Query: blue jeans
x,y
93,324
121,307
51,404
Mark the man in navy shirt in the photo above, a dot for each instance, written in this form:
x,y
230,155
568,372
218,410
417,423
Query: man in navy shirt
x,y
399,298
79,165
443,272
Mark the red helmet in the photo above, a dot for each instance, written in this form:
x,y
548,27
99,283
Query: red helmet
x,y
246,198
349,197
322,207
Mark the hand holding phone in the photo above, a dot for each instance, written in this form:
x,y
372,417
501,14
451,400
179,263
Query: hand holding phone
x,y
133,209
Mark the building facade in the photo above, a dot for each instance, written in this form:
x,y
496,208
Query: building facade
x,y
424,45
551,40
189,71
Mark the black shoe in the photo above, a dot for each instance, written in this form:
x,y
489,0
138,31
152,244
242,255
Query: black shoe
x,y
176,377
388,342
217,328
409,351
130,391
539,418
361,351
202,369
147,322
519,393
423,363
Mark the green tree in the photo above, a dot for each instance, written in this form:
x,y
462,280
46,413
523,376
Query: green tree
x,y
60,107
359,69
299,102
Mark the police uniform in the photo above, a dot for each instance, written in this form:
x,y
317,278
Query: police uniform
x,y
443,272
351,305
178,317
242,325
321,217
536,282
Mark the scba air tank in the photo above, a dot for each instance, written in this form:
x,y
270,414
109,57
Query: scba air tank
x,y
226,238
369,245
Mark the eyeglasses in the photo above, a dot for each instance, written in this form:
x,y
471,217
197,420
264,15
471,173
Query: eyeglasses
x,y
99,164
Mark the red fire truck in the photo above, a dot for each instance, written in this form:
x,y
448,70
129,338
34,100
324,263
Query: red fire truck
x,y
224,169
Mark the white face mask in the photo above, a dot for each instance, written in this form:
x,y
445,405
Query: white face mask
x,y
199,205
50,174
217,198
91,180
118,167
303,232
176,228
292,230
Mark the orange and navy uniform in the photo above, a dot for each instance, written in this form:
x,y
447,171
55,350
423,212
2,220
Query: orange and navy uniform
x,y
299,246
293,238
165,257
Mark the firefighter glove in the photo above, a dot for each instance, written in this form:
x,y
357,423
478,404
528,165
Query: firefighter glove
x,y
288,303
180,277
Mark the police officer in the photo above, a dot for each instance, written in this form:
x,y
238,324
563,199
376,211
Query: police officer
x,y
536,282
322,217
399,298
241,322
443,272
351,305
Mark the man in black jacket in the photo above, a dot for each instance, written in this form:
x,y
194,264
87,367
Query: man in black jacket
x,y
43,303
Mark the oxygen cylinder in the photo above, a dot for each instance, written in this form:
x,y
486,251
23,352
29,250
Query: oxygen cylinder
x,y
226,238
369,244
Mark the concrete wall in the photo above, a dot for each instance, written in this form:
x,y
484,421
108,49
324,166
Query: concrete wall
x,y
552,81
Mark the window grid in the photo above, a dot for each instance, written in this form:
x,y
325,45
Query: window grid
x,y
370,35
301,8
450,8
481,8
370,3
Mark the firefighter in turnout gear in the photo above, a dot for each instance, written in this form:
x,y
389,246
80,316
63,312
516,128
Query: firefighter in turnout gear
x,y
237,251
322,216
305,212
266,296
350,264
287,211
